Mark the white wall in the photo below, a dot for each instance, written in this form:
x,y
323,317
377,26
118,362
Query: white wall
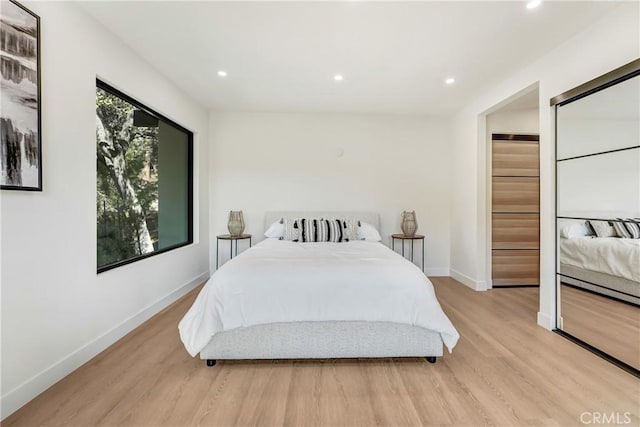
x,y
520,121
265,162
56,311
611,42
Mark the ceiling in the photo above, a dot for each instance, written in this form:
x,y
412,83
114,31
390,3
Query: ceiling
x,y
394,56
528,101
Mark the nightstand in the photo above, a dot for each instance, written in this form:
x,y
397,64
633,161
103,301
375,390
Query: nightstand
x,y
403,239
231,239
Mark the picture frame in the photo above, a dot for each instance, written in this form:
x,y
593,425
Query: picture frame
x,y
20,112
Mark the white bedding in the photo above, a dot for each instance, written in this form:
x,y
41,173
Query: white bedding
x,y
609,255
279,281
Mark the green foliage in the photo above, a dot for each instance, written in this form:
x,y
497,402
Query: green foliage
x,y
118,223
113,110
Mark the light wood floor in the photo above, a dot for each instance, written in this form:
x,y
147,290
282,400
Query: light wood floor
x,y
505,371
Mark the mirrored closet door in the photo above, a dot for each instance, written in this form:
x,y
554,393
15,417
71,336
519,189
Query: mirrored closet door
x,y
598,215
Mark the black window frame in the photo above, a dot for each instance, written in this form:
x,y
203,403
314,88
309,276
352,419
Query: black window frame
x,y
110,89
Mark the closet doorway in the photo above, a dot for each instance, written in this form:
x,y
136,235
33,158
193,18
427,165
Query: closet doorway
x,y
515,210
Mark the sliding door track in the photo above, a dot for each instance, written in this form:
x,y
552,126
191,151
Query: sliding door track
x,y
619,363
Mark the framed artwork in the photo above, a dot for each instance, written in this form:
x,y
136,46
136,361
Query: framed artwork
x,y
20,124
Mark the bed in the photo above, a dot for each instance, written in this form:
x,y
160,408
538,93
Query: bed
x,y
289,300
609,266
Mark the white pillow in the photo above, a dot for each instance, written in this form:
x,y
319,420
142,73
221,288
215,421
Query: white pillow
x,y
574,230
275,230
368,232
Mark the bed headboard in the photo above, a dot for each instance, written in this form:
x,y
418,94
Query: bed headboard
x,y
370,217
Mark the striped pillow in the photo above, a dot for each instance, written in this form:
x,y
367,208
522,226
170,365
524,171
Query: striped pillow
x,y
633,227
335,231
307,230
322,230
349,226
621,229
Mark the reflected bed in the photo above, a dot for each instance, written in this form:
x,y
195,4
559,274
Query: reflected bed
x,y
606,265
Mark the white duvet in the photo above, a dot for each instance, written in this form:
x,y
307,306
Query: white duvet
x,y
280,281
610,255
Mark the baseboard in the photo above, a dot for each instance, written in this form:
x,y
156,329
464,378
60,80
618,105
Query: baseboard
x,y
476,285
27,391
545,321
437,272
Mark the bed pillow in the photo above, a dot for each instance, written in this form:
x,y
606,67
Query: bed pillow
x,y
322,230
349,226
334,231
275,230
291,230
572,231
367,231
621,229
633,227
602,228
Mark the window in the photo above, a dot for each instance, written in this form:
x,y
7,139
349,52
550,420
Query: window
x,y
144,180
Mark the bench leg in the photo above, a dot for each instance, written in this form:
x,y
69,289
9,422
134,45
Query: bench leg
x,y
211,362
431,359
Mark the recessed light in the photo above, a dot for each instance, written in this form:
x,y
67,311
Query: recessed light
x,y
338,77
450,80
222,73
533,4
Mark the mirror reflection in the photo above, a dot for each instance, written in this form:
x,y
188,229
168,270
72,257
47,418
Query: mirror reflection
x,y
603,121
598,219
